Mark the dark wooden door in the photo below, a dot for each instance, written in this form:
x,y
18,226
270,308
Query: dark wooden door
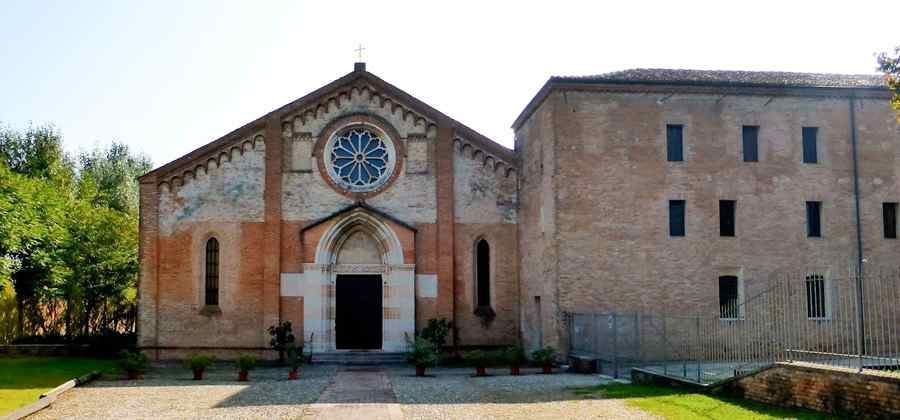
x,y
359,312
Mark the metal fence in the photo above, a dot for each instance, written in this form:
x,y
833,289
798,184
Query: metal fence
x,y
798,318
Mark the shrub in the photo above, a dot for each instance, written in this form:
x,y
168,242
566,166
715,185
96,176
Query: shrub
x,y
294,356
422,352
481,358
133,361
282,336
544,357
200,362
436,331
246,362
515,355
102,343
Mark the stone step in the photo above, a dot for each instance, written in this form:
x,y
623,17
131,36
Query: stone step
x,y
359,358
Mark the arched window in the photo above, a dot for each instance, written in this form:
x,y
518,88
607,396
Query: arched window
x,y
482,274
212,272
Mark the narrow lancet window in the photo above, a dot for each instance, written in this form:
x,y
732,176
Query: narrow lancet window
x,y
212,272
483,273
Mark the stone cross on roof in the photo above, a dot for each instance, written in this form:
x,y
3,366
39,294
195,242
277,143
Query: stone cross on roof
x,y
359,53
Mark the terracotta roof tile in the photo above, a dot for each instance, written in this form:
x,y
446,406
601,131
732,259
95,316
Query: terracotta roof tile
x,y
731,78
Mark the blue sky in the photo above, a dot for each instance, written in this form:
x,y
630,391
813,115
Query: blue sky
x,y
169,76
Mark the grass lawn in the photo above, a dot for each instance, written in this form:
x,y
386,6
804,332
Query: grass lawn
x,y
676,404
24,379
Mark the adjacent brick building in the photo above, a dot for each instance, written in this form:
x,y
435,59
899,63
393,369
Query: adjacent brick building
x,y
358,212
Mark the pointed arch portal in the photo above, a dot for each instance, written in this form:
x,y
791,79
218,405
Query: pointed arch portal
x,y
359,294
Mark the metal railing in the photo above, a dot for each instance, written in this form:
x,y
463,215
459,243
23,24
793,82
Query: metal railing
x,y
843,322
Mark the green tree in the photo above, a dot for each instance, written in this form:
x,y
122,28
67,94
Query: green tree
x,y
68,235
32,228
890,66
38,153
102,255
108,176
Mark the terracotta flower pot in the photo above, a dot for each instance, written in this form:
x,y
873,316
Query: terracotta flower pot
x,y
480,371
242,375
420,370
514,371
548,369
293,375
133,374
198,374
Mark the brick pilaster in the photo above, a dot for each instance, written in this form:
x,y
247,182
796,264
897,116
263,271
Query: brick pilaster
x,y
271,289
445,221
148,255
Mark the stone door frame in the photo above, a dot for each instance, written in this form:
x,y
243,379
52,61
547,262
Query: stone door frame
x,y
398,283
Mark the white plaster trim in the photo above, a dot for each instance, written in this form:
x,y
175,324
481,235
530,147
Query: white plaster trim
x,y
326,251
291,284
321,277
426,285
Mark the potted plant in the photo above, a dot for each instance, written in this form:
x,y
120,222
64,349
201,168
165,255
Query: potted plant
x,y
545,358
282,337
436,332
198,364
515,357
294,359
421,355
134,363
479,359
245,363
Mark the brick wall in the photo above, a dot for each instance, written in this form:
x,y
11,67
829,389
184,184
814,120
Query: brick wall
x,y
838,391
536,230
601,153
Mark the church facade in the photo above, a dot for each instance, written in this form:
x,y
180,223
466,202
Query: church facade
x,y
359,213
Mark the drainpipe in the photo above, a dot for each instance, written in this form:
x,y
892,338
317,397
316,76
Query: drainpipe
x,y
860,333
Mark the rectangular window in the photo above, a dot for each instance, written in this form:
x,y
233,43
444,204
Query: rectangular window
x,y
814,219
726,217
816,301
890,220
674,143
728,297
676,217
750,135
810,152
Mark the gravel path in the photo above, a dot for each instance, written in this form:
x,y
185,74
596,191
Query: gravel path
x,y
170,393
455,394
332,392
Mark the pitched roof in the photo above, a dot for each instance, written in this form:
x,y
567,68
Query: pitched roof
x,y
733,78
359,73
711,78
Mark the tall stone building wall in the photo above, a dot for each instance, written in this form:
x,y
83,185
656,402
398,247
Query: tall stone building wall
x,y
614,185
485,206
538,265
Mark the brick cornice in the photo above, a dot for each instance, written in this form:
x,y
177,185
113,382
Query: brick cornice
x,y
686,88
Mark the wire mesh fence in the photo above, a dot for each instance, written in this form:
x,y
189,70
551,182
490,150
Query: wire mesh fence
x,y
848,322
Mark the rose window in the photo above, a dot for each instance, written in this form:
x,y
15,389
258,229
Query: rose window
x,y
359,159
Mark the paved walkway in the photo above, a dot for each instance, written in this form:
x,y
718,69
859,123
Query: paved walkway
x,y
357,393
332,392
